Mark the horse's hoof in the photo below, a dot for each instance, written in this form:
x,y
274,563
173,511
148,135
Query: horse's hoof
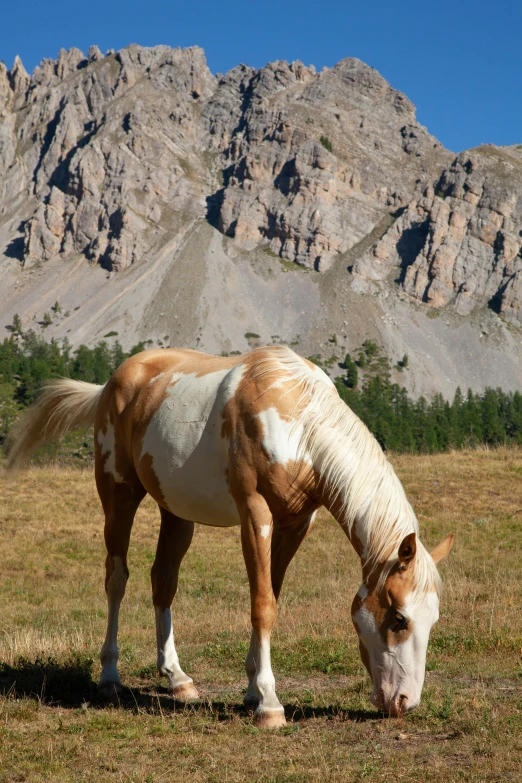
x,y
270,719
109,690
187,691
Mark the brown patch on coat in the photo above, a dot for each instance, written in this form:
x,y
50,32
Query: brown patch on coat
x,y
289,491
183,360
149,480
386,603
256,387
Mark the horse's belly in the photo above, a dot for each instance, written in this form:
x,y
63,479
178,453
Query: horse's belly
x,y
183,460
200,495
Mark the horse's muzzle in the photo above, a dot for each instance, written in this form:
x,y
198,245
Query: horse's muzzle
x,y
394,707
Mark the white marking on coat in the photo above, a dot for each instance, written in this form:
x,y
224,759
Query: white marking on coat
x,y
365,622
281,438
189,454
264,682
156,377
362,592
168,661
265,530
324,375
107,444
109,651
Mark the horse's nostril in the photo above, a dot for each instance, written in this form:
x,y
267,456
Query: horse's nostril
x,y
403,703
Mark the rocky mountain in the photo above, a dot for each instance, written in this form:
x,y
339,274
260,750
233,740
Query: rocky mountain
x,y
460,243
150,199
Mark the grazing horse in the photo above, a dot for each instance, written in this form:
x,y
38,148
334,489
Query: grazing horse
x,y
261,441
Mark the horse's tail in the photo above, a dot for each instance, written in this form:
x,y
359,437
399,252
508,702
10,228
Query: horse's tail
x,y
62,406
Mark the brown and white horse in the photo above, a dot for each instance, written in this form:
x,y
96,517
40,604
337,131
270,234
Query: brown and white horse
x,y
262,441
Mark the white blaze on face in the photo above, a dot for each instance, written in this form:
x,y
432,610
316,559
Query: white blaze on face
x,y
397,670
411,654
107,444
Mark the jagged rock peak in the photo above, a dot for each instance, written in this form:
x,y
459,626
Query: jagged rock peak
x,y
94,54
69,61
18,77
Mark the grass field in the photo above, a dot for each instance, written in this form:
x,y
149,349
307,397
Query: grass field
x,y
54,727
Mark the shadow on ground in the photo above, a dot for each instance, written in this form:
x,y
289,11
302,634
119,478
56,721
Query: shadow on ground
x,y
70,684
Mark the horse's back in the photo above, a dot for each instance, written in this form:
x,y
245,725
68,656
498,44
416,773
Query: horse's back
x,y
173,416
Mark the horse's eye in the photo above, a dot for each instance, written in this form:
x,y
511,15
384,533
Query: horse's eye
x,y
399,623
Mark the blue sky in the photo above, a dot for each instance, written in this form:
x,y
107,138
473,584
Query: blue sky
x,y
460,62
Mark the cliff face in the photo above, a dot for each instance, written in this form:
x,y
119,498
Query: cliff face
x,y
314,161
102,150
107,148
460,243
118,173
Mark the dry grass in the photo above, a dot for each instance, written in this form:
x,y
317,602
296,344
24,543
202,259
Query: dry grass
x,y
52,620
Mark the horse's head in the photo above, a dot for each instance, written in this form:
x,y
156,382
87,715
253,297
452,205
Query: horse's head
x,y
393,615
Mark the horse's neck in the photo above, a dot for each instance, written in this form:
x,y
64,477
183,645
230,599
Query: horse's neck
x,y
372,540
356,532
355,482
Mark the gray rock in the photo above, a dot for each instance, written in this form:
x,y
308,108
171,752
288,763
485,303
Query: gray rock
x,y
460,243
305,156
114,163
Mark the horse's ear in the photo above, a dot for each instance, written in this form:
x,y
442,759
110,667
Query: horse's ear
x,y
407,551
443,549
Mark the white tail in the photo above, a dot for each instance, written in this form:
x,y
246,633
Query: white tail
x,y
62,406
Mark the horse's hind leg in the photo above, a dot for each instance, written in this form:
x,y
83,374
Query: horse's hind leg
x,y
120,502
174,540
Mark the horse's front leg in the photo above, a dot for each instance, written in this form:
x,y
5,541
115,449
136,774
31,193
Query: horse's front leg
x,y
256,538
285,543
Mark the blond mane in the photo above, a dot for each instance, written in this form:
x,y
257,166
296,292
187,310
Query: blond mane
x,y
358,477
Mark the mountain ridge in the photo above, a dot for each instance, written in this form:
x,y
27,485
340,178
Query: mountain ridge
x,y
138,183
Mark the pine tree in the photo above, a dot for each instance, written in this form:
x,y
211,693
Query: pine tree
x,y
352,376
17,324
472,420
117,355
492,428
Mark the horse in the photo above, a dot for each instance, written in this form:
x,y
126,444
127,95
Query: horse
x,y
262,441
